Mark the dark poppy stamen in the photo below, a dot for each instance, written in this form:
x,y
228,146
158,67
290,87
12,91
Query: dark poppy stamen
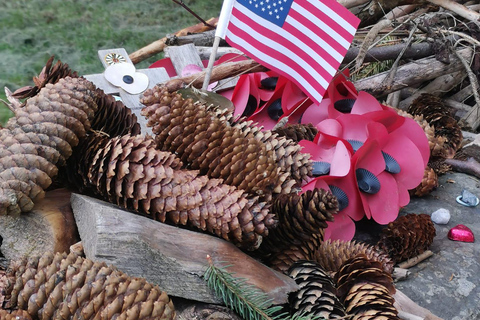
x,y
367,181
320,168
128,79
344,105
275,110
342,197
391,165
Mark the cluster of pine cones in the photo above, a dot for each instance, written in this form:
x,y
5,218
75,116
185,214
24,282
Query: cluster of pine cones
x,y
204,169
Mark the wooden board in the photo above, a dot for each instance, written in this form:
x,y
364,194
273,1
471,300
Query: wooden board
x,y
171,257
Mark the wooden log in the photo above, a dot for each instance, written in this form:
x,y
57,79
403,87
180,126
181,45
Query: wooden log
x,y
436,87
171,257
412,73
158,46
198,39
49,227
382,53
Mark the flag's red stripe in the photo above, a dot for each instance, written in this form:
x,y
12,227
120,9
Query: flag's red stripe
x,y
311,42
326,19
279,56
314,64
343,12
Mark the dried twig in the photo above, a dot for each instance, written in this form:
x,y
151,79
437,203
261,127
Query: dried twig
x,y
415,260
193,13
393,70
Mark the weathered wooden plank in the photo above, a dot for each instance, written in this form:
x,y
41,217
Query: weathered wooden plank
x,y
49,227
169,256
181,56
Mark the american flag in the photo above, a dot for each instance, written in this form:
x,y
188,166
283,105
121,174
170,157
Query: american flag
x,y
304,40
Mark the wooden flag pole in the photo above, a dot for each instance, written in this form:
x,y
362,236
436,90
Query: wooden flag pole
x,y
211,61
219,34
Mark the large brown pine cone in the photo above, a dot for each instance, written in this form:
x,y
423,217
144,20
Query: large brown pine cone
x,y
40,136
300,217
331,255
14,315
365,289
288,155
407,237
297,131
48,74
65,286
438,115
317,293
205,140
129,171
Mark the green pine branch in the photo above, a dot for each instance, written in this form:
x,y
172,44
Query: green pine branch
x,y
248,301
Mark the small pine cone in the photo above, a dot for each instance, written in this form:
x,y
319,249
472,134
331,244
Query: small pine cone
x,y
407,237
49,74
65,286
297,132
365,289
428,184
282,260
317,293
205,141
129,171
331,255
300,217
438,115
113,117
288,155
40,137
435,142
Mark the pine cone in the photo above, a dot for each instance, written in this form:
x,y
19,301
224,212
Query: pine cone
x,y
438,115
205,141
49,74
300,217
297,132
113,117
288,155
428,184
40,136
331,255
317,294
438,165
129,171
365,289
65,286
282,260
407,237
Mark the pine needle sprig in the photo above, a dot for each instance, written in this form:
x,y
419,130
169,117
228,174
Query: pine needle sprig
x,y
248,301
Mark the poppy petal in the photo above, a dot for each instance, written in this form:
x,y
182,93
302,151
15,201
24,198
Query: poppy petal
x,y
341,228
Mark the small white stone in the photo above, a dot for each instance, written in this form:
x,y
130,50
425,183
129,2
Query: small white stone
x,y
441,216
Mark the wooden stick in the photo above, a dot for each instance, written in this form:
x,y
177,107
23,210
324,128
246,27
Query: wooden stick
x,y
458,8
412,73
211,61
469,166
415,260
405,304
223,71
158,46
400,274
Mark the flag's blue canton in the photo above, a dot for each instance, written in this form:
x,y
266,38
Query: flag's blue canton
x,y
275,11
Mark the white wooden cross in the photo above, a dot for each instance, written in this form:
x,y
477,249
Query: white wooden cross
x,y
155,75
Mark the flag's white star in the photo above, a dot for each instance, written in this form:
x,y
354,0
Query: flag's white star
x,y
270,12
263,9
269,6
278,17
256,5
274,4
276,10
281,8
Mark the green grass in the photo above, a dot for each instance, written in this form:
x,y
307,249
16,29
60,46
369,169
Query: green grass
x,y
33,30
